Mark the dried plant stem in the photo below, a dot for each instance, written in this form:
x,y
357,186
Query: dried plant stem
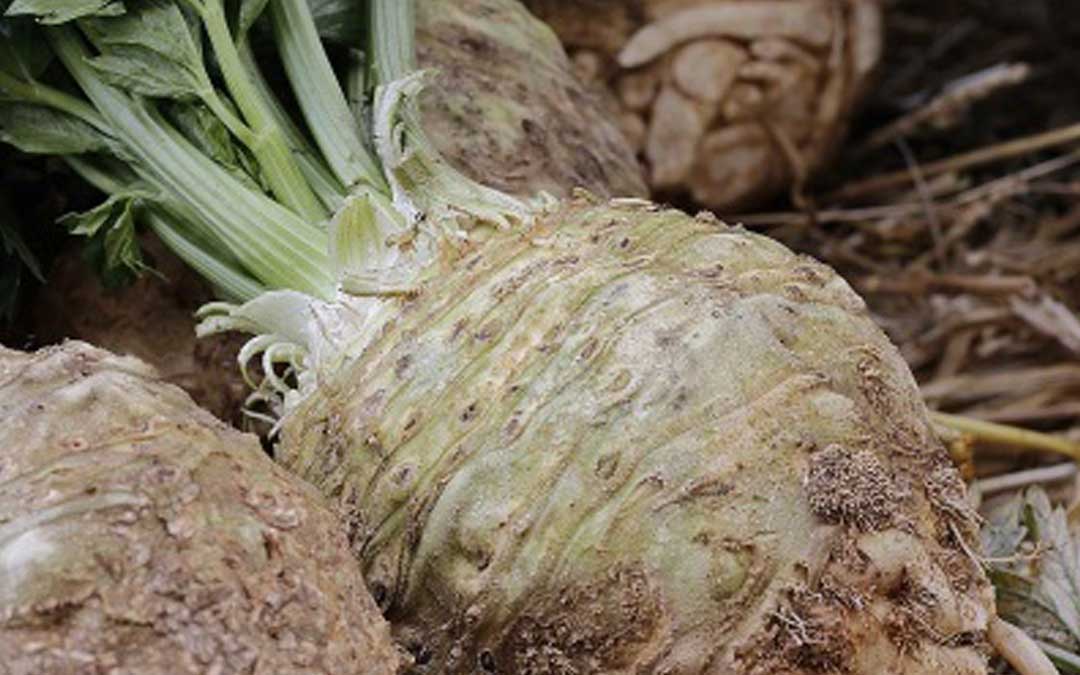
x,y
1017,647
1008,435
987,155
1004,186
1022,479
1059,655
946,110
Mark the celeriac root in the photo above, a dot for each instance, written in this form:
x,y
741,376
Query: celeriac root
x,y
140,534
725,101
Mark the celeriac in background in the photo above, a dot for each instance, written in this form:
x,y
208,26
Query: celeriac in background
x,y
728,102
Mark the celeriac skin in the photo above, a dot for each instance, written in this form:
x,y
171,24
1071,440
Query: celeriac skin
x,y
505,107
138,534
624,440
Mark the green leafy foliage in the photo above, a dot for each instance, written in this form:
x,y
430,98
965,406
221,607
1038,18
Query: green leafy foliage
x,y
111,229
38,129
1034,562
206,132
62,11
37,117
152,50
172,90
144,72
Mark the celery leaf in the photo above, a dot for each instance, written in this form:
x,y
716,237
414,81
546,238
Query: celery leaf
x,y
152,50
1034,562
110,226
146,73
37,129
62,11
89,223
206,132
122,250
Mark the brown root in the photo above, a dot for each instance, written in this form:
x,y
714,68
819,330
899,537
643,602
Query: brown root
x,y
140,534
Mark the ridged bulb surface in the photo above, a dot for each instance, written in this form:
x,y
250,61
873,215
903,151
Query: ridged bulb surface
x,y
631,441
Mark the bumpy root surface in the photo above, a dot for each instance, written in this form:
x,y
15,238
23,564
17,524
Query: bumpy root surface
x,y
728,101
507,110
140,535
630,441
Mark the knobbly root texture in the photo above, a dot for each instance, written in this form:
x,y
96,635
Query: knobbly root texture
x,y
139,534
631,441
726,101
522,122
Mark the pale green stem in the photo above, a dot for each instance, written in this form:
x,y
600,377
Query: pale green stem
x,y
231,284
1062,658
1003,434
320,96
42,94
234,124
91,173
268,143
201,255
423,183
326,185
269,240
391,39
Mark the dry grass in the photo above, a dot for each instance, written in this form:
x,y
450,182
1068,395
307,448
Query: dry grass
x,y
955,209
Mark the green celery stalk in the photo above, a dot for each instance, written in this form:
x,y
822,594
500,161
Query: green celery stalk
x,y
276,245
269,142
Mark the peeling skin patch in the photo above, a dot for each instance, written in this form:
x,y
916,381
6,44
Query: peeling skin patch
x,y
910,623
946,493
851,488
